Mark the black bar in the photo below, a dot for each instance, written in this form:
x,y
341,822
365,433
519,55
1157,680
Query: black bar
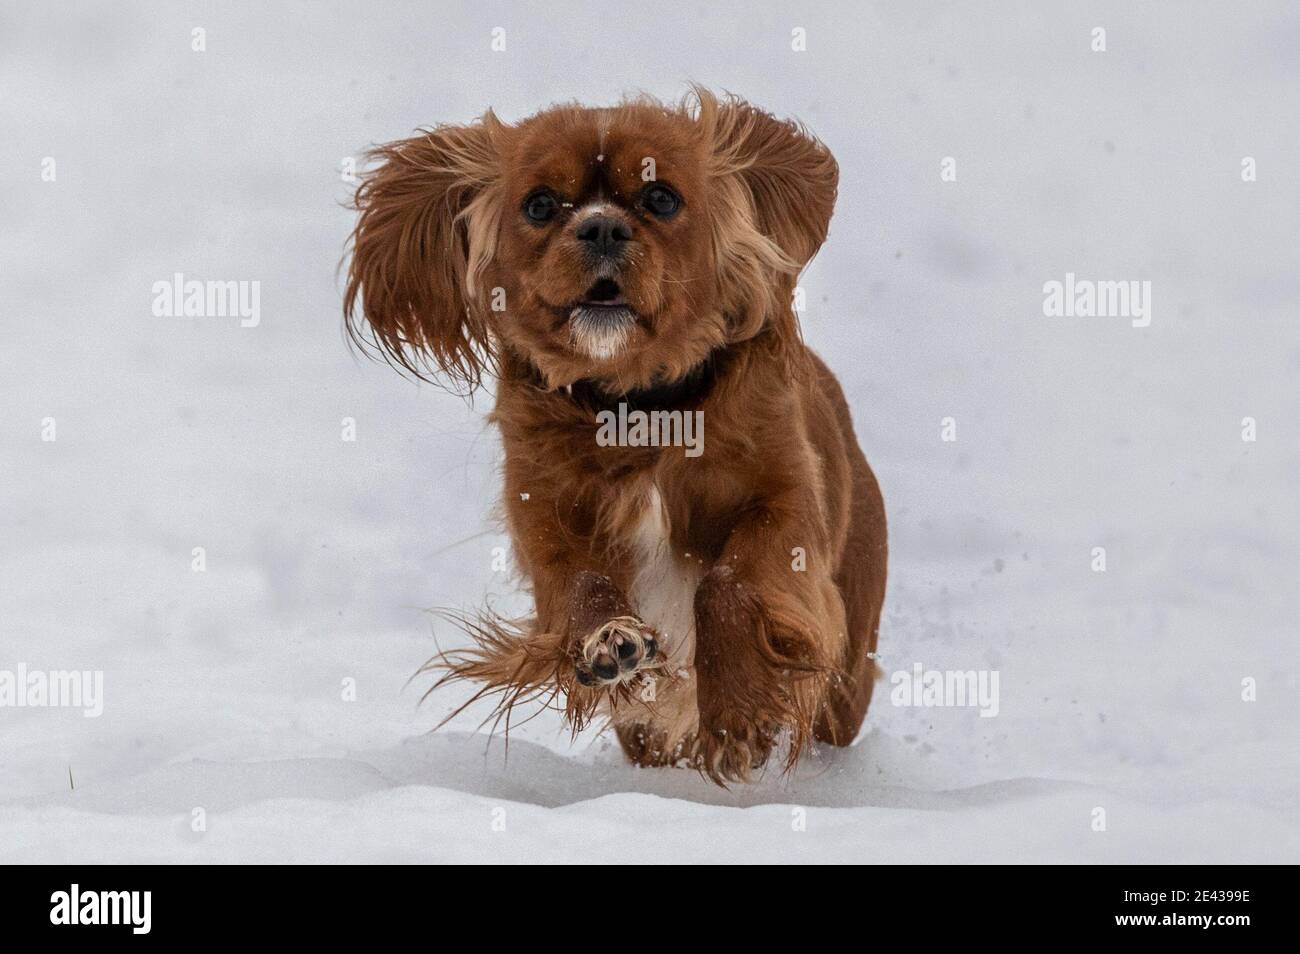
x,y
1219,904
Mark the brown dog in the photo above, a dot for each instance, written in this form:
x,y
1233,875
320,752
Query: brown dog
x,y
627,275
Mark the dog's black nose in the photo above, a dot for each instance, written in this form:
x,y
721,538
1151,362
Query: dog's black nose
x,y
604,235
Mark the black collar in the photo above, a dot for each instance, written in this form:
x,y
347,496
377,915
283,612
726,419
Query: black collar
x,y
686,391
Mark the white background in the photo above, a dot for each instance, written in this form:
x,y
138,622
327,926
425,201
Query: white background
x,y
1120,690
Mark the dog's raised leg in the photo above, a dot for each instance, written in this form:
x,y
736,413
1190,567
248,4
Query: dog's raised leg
x,y
608,643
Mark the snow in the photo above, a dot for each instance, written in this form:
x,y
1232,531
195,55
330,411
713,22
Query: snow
x,y
228,690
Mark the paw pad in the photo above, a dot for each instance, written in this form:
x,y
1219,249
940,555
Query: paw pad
x,y
616,651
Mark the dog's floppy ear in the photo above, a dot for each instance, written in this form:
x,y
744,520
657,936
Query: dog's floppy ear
x,y
774,188
427,229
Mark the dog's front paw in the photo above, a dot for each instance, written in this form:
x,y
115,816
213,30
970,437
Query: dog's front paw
x,y
616,651
733,747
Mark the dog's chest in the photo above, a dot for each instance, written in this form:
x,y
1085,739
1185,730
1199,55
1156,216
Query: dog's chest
x,y
663,581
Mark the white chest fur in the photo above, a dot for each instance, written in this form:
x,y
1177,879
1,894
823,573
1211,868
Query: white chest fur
x,y
663,586
663,594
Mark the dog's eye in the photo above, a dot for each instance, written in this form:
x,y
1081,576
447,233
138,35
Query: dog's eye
x,y
660,200
540,207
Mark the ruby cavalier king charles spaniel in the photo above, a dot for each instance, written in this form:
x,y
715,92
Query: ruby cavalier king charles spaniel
x,y
626,276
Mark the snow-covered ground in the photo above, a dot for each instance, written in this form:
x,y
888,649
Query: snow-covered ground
x,y
270,691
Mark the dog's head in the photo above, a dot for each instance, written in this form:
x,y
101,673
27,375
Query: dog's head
x,y
621,245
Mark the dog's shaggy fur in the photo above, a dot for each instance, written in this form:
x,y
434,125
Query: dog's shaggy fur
x,y
644,255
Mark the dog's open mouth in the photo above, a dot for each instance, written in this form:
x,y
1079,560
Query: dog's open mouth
x,y
600,321
605,294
